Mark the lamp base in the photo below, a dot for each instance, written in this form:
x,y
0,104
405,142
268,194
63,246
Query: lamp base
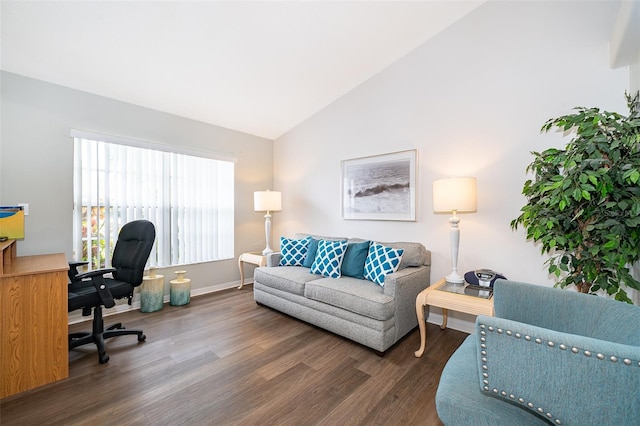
x,y
267,231
454,278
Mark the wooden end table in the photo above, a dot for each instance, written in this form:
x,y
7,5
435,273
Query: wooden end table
x,y
255,258
435,296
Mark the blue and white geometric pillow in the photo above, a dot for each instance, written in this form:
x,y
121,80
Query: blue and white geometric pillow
x,y
380,262
329,258
293,252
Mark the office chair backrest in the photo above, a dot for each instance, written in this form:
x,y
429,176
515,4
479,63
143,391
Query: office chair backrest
x,y
135,241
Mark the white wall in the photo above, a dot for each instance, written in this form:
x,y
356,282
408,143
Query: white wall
x,y
625,52
37,159
625,41
634,77
471,101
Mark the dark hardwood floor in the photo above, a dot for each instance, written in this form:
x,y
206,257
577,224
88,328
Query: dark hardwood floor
x,y
224,360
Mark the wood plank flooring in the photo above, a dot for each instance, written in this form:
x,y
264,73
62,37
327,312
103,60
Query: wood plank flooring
x,y
223,360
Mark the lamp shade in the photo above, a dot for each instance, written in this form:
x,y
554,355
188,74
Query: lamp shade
x,y
455,194
267,201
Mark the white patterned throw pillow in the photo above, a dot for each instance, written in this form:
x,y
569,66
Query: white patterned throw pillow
x,y
293,251
329,258
381,262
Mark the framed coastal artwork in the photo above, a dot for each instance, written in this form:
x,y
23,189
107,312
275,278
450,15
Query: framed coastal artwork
x,y
380,187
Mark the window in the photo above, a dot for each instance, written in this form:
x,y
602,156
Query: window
x,y
188,198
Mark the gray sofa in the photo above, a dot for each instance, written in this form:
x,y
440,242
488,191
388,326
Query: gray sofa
x,y
354,308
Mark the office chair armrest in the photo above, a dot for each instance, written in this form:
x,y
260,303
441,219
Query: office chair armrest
x,y
97,279
95,273
73,269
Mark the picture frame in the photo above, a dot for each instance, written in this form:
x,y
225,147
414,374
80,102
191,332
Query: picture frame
x,y
379,187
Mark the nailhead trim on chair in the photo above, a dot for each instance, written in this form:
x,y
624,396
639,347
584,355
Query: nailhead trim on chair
x,y
562,346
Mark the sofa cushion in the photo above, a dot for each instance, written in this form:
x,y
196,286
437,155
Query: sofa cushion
x,y
359,296
381,261
329,258
354,258
415,254
286,278
293,251
320,237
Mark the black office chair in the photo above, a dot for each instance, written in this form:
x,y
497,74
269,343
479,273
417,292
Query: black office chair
x,y
91,290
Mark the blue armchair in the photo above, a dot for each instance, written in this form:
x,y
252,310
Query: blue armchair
x,y
549,356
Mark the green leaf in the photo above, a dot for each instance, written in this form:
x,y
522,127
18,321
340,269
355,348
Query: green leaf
x,y
577,194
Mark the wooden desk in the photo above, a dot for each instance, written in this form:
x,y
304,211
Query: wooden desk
x,y
8,249
33,320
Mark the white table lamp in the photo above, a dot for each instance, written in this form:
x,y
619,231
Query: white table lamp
x,y
454,195
267,201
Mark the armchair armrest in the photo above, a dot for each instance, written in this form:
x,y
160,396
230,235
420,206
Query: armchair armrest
x,y
565,378
97,279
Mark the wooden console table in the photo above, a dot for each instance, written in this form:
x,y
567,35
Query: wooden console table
x,y
34,348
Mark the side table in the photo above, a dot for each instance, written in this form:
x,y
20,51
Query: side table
x,y
255,258
435,296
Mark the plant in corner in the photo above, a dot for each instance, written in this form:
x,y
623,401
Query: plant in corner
x,y
583,203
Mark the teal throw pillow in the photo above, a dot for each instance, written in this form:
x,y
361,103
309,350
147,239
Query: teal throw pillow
x,y
381,261
311,253
293,251
329,258
354,258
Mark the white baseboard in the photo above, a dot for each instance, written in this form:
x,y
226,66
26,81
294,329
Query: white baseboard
x,y
455,321
76,316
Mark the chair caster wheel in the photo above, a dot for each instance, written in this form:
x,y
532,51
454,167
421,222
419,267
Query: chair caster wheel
x,y
142,338
103,359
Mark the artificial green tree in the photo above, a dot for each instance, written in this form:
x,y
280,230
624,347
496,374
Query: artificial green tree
x,y
583,203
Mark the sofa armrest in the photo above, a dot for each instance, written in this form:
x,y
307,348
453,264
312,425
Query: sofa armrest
x,y
404,286
407,279
273,259
566,378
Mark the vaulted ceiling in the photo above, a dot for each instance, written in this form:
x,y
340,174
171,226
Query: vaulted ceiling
x,y
257,67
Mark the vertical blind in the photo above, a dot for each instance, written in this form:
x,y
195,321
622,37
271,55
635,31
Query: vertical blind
x,y
188,198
